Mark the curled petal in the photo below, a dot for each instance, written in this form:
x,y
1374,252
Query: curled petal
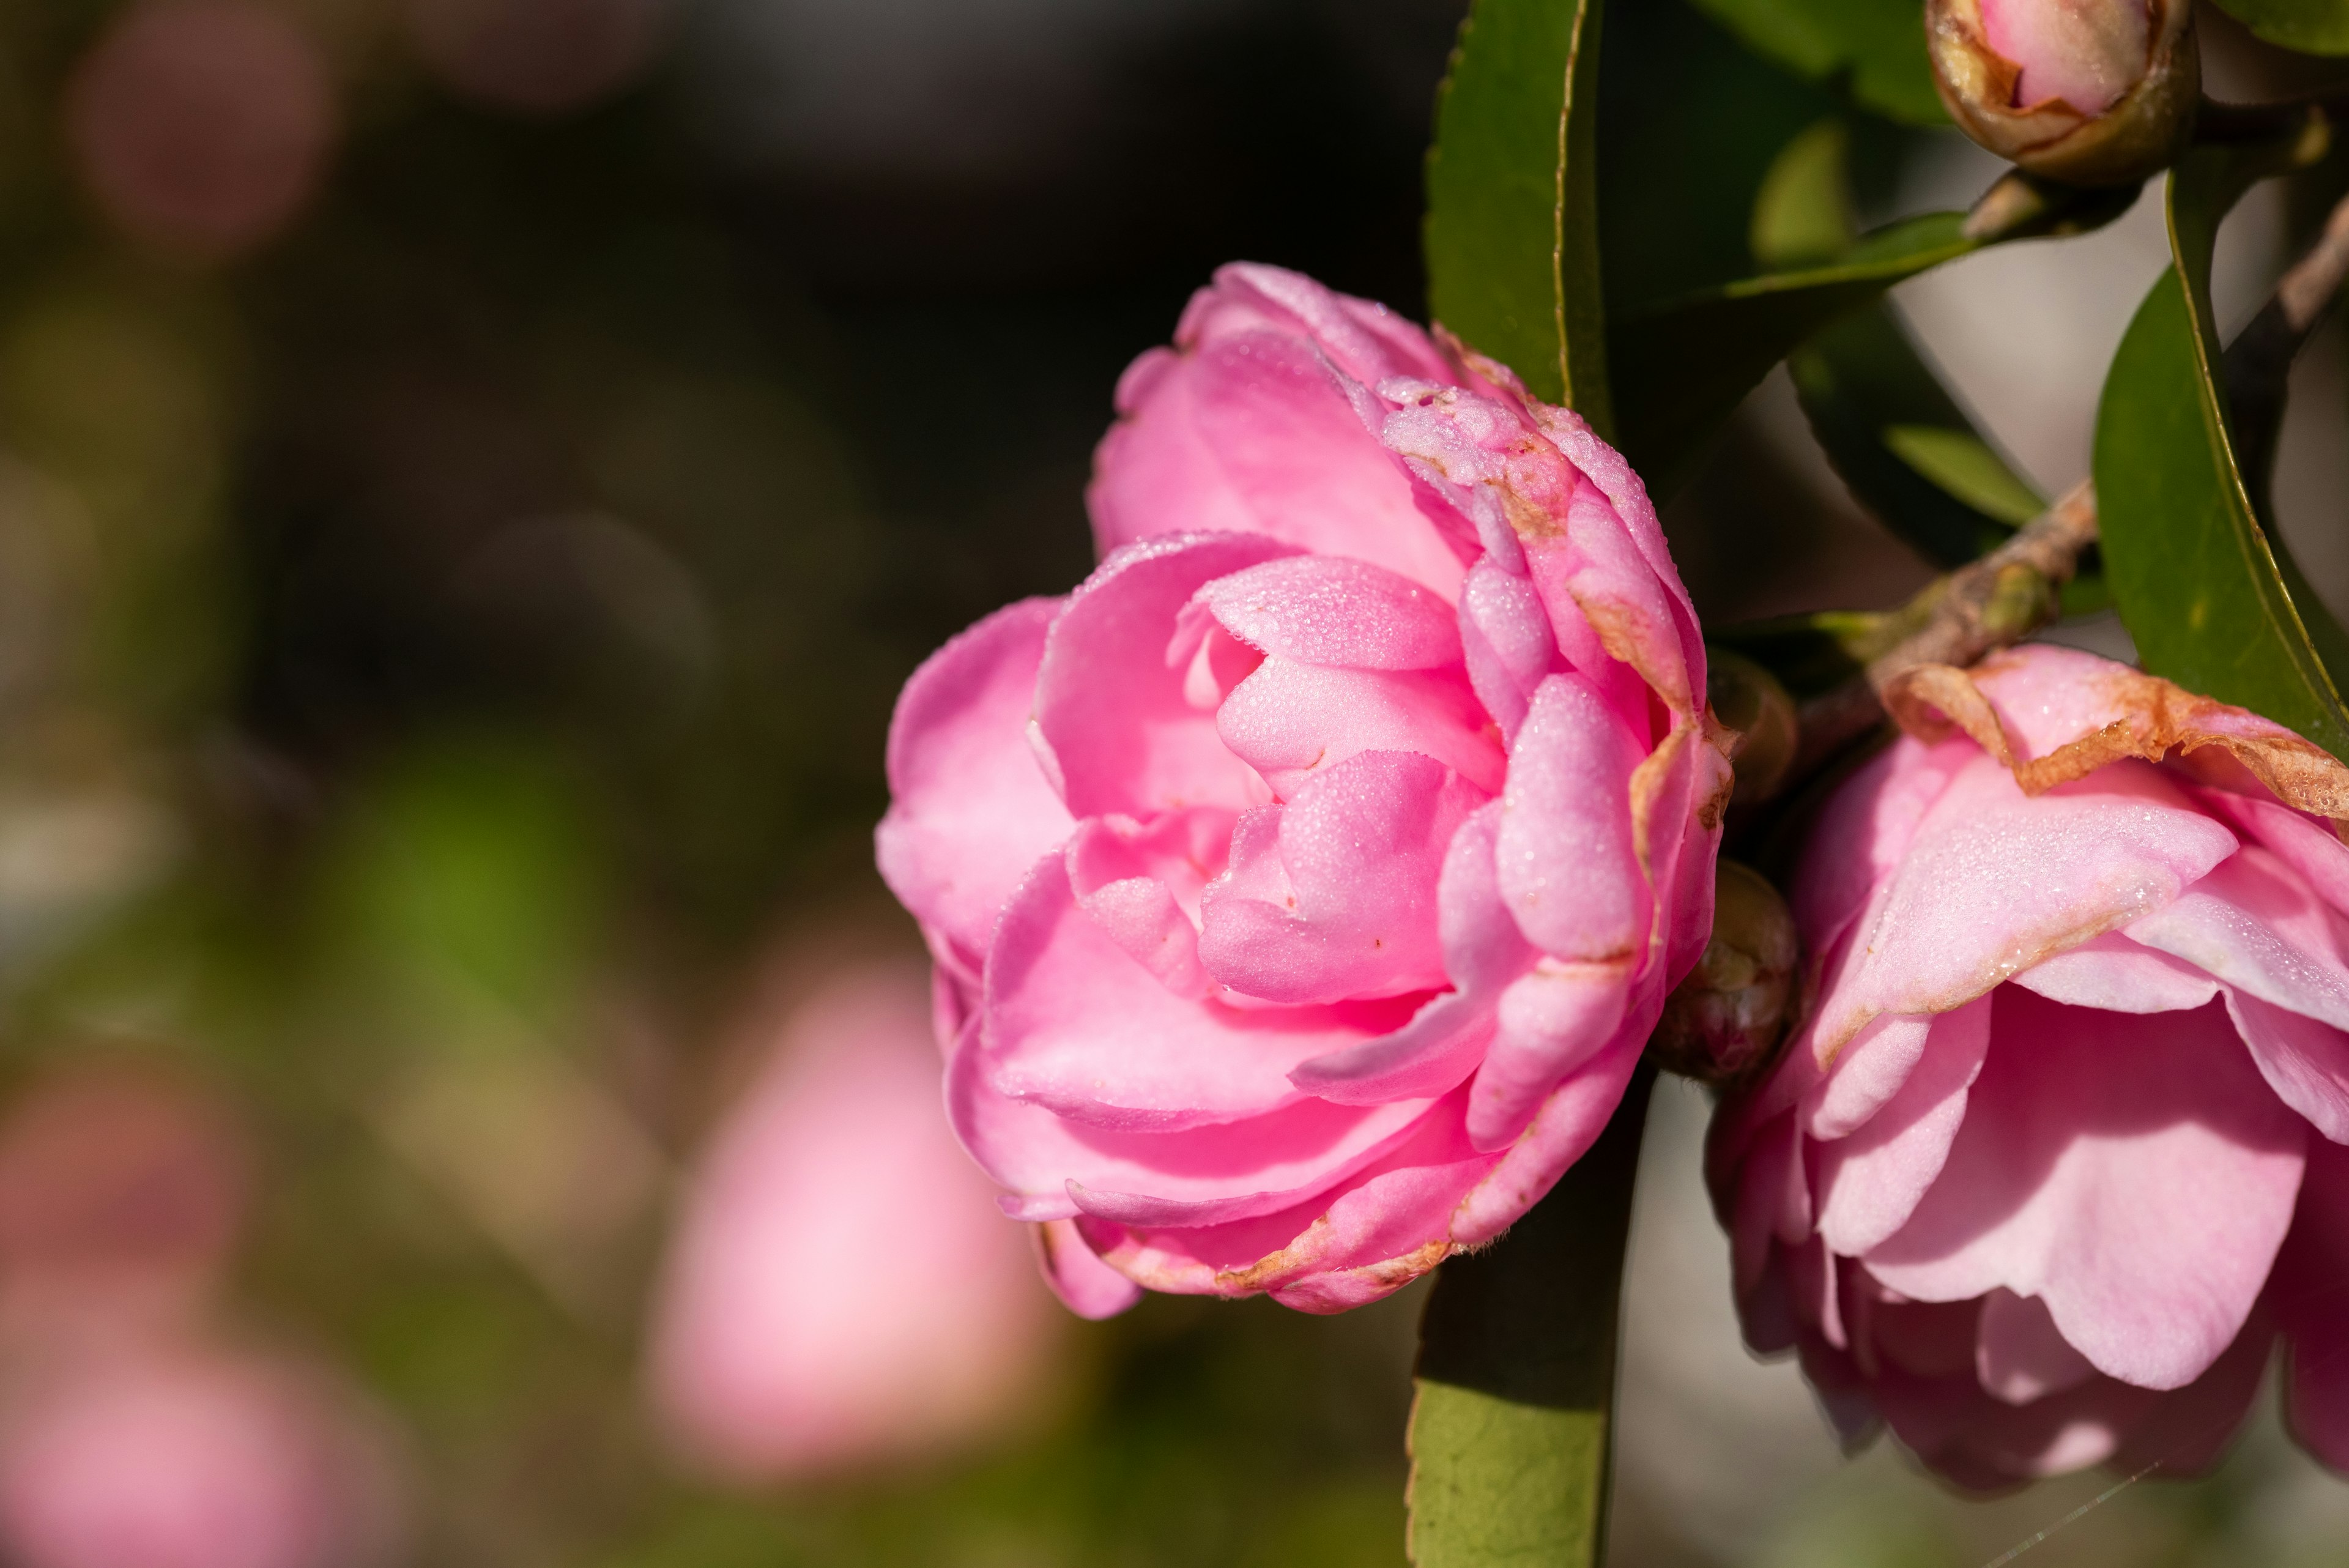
x,y
1871,1181
2115,974
1086,1286
1550,1022
1325,609
1111,712
1569,870
2049,714
1293,721
1482,953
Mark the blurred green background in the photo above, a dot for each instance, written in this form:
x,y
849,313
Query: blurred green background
x,y
473,475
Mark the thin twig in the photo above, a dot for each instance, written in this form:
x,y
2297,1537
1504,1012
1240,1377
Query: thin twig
x,y
1977,609
2257,363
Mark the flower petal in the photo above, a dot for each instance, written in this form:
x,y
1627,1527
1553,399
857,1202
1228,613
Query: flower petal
x,y
1994,881
1331,610
1086,1286
2312,1304
1361,847
1446,1040
1550,1022
2304,1062
1257,431
2115,974
1224,1171
2134,1172
2020,1354
1870,1181
1568,869
2253,923
969,810
1109,707
1291,720
1073,1024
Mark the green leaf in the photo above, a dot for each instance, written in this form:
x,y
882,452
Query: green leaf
x,y
1691,123
1681,366
2311,26
1875,48
1512,232
1512,1421
1902,443
1957,459
1896,437
2211,600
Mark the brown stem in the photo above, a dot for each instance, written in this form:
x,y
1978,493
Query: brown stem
x,y
2257,363
1977,609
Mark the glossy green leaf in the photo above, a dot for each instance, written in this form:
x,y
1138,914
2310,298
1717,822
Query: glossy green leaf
x,y
1512,234
1902,445
2210,599
1681,366
1874,49
1959,462
1691,123
1512,1421
1899,440
2311,26
1803,212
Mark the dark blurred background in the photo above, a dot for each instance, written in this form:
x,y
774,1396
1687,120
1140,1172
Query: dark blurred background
x,y
473,475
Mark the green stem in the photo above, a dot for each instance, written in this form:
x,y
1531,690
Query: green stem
x,y
1513,1422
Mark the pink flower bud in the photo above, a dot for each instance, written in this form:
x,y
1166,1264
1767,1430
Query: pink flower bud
x,y
1304,884
2084,52
188,1459
2092,92
843,1289
2064,1144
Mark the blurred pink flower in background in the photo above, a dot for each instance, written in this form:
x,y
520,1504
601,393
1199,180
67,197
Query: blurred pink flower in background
x,y
185,1458
540,57
121,1192
128,1437
2059,1150
202,126
1304,884
842,1289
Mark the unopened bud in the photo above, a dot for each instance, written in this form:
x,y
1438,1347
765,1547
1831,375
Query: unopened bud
x,y
1748,700
2091,92
1721,1024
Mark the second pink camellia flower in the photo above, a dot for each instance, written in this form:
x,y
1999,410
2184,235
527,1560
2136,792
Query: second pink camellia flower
x,y
1304,886
2060,1151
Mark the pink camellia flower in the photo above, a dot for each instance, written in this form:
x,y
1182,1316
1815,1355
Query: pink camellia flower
x,y
2058,1152
187,1458
842,1290
1303,887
